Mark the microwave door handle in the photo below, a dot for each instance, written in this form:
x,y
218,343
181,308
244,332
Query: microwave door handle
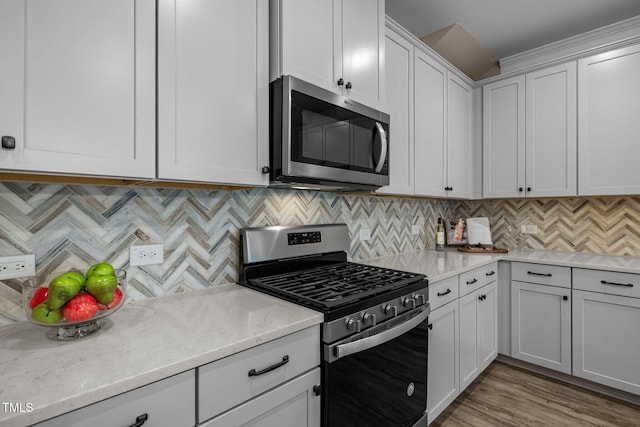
x,y
383,148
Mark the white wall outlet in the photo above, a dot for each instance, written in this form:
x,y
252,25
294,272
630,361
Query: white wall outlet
x,y
12,267
415,229
146,255
365,234
529,229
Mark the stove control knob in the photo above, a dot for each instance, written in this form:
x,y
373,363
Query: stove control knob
x,y
409,301
391,309
369,318
419,298
353,324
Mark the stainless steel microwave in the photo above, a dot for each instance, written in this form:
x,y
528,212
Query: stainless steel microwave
x,y
323,140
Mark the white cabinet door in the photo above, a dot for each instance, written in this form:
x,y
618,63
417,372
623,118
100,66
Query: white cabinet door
x,y
430,125
458,153
363,41
488,325
606,339
78,93
443,380
169,402
303,41
294,404
551,126
213,91
399,104
335,44
504,138
541,325
478,332
608,125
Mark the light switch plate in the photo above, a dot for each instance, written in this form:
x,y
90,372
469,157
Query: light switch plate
x,y
530,229
365,234
415,229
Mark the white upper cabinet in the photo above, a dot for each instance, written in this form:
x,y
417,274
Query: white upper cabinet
x,y
335,44
459,115
77,87
609,108
529,134
399,76
551,140
213,91
430,125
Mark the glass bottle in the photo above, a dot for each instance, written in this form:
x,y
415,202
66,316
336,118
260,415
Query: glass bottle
x,y
439,235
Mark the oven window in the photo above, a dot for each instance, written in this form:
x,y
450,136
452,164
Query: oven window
x,y
327,135
379,387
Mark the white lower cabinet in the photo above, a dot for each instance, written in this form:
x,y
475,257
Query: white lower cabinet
x,y
294,404
166,403
478,332
261,380
541,325
443,367
606,332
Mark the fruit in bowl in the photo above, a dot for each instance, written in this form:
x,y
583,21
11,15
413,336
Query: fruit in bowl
x,y
72,298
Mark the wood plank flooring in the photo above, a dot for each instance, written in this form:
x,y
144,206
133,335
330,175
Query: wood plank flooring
x,y
505,395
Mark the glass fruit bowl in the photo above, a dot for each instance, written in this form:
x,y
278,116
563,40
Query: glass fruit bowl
x,y
74,312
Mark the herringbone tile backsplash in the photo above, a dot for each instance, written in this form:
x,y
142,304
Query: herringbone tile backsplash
x,y
69,226
74,226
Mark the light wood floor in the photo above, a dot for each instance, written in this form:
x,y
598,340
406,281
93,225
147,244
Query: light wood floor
x,y
504,395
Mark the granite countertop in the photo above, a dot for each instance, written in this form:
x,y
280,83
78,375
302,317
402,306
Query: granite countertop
x,y
438,266
143,342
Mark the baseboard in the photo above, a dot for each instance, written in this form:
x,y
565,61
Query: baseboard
x,y
570,379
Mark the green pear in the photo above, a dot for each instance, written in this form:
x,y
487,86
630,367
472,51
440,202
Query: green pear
x,y
100,269
102,287
61,290
43,314
75,276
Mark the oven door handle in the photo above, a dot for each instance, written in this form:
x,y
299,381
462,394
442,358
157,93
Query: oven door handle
x,y
344,350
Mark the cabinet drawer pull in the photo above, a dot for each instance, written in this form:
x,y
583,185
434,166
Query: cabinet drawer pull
x,y
140,419
254,373
471,282
491,273
533,273
626,285
447,292
8,142
565,298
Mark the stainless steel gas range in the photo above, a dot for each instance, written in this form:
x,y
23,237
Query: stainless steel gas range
x,y
374,335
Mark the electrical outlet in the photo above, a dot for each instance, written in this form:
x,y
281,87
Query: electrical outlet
x,y
529,229
12,267
146,255
415,229
365,234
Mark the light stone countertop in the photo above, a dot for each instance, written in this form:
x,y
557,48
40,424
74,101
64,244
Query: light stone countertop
x,y
145,341
438,266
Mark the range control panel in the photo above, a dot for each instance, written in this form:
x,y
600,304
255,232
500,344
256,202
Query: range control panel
x,y
304,238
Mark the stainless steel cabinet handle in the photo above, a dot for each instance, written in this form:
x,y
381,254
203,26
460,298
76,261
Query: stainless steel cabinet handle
x,y
626,285
254,373
533,273
344,350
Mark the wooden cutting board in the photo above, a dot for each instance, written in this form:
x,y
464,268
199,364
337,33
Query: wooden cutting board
x,y
482,250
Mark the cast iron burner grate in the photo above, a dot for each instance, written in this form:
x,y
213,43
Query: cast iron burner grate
x,y
334,285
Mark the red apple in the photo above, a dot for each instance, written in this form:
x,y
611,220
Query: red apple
x,y
39,296
117,297
81,307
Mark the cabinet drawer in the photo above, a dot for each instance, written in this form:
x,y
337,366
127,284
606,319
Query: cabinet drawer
x,y
607,282
477,278
168,402
541,274
228,382
443,292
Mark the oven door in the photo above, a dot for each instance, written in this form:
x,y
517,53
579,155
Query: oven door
x,y
378,377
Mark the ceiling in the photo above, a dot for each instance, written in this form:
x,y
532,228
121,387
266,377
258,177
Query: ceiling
x,y
507,27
